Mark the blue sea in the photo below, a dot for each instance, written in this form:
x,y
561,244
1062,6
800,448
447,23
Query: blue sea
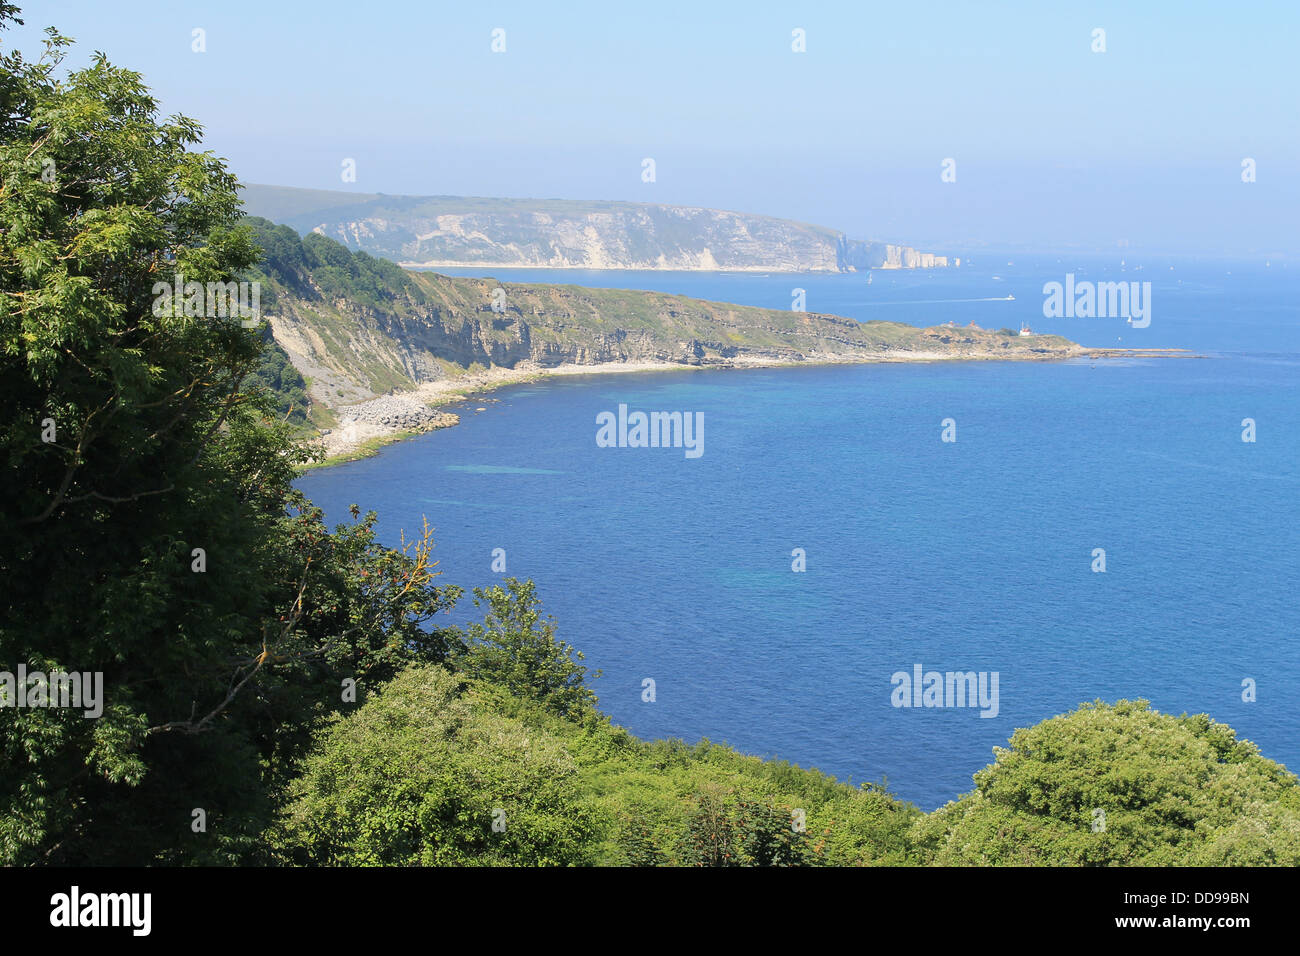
x,y
974,555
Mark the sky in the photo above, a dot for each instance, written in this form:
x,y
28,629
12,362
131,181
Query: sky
x,y
1055,146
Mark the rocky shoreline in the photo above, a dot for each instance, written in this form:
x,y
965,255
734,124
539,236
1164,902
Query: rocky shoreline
x,y
384,417
398,412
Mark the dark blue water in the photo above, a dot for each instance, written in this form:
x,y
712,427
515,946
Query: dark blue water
x,y
966,556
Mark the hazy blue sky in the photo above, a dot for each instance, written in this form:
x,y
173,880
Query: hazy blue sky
x,y
1056,146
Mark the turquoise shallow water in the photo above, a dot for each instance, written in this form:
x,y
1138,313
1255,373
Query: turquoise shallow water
x,y
966,556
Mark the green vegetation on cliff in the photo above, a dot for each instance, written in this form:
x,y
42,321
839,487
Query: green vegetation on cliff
x,y
1104,785
1125,786
283,383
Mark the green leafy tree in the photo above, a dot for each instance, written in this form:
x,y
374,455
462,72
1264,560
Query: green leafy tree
x,y
150,529
284,385
516,649
727,828
711,837
1122,785
111,415
420,775
769,836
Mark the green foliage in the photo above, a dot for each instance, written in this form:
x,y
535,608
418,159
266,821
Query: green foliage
x,y
1174,791
636,841
868,827
284,385
724,831
418,775
656,799
516,650
130,440
315,266
712,835
100,201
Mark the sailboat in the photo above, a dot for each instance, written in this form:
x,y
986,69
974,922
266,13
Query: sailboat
x,y
869,275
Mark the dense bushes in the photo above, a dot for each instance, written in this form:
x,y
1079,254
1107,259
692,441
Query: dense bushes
x,y
419,775
335,271
284,385
1170,791
1122,785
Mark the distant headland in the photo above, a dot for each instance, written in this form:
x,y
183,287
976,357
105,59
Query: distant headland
x,y
453,231
372,349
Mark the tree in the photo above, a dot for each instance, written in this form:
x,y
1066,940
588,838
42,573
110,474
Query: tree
x,y
1122,785
516,650
730,828
711,837
151,532
422,776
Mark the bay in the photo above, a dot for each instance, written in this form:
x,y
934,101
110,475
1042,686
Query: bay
x,y
975,555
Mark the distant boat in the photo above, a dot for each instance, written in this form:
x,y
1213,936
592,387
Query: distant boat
x,y
1011,298
868,278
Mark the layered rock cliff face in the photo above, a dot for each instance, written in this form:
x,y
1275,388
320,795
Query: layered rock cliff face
x,y
357,327
505,233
